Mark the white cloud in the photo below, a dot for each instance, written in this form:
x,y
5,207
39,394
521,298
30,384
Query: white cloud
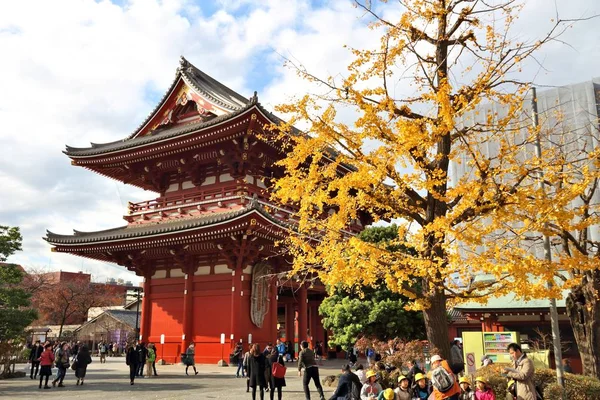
x,y
77,71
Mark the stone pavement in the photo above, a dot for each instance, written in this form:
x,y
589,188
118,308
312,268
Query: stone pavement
x,y
111,381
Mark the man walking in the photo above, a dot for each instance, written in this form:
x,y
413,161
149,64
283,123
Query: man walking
x,y
34,356
306,360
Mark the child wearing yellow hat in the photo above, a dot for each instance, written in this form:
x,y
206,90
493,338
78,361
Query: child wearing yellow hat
x,y
371,388
403,391
484,391
387,394
466,393
421,389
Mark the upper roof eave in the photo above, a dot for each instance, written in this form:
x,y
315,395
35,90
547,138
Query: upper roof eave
x,y
125,233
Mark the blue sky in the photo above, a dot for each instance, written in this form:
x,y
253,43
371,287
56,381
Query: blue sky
x,y
80,71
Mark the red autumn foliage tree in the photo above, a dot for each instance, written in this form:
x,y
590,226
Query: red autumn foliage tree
x,y
64,303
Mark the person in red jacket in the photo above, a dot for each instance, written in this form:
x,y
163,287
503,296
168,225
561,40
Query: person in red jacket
x,y
46,360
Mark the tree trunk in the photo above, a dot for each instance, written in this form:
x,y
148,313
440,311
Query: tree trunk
x,y
436,323
583,309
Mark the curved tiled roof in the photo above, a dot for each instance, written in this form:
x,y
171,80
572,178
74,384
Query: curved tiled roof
x,y
205,85
127,232
98,149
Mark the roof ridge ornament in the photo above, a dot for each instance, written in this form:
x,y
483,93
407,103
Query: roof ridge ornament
x,y
254,98
183,63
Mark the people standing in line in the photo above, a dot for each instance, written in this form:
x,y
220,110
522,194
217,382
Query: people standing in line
x,y
319,352
276,383
456,357
82,360
256,371
370,356
151,357
155,357
132,360
102,350
443,379
45,361
290,351
421,389
268,372
484,391
245,368
403,391
61,360
352,356
281,348
522,373
466,393
306,360
142,356
190,358
34,356
349,385
361,373
413,370
370,390
75,349
238,357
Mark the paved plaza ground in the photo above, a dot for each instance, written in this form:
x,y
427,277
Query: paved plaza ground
x,y
111,381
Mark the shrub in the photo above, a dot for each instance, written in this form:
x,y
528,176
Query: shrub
x,y
577,387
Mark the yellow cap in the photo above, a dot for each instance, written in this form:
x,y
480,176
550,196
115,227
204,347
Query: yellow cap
x,y
401,378
388,394
371,373
464,379
419,376
480,379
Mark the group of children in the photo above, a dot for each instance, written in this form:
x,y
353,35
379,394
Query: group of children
x,y
482,391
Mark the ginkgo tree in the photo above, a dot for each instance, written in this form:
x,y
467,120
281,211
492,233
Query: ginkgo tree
x,y
397,160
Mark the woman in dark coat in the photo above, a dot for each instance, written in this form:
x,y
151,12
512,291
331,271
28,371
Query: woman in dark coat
x,y
82,360
276,383
256,371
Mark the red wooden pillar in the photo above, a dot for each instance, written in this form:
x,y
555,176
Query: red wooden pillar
x,y
302,313
289,322
273,311
188,308
236,301
313,324
146,309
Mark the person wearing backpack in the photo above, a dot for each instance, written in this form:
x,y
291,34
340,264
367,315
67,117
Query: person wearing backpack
x,y
348,387
443,379
61,360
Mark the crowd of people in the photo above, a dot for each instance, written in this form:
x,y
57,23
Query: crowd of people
x,y
62,355
443,382
265,372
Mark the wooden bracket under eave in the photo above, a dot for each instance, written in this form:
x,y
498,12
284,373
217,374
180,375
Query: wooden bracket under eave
x,y
53,249
73,162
